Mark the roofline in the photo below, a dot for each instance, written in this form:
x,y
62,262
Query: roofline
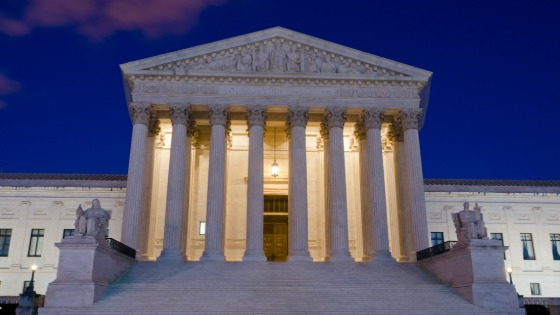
x,y
430,184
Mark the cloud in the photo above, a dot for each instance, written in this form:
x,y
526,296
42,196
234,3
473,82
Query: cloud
x,y
7,86
98,19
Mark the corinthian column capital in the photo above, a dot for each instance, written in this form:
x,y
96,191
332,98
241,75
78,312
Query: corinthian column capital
x,y
154,125
372,117
218,114
335,116
360,130
297,117
179,114
140,112
256,115
409,118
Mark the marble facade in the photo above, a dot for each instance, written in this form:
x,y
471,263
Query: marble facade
x,y
314,90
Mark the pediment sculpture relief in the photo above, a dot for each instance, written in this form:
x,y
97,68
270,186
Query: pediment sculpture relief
x,y
276,55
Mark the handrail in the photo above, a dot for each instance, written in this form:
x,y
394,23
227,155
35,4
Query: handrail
x,y
435,250
121,248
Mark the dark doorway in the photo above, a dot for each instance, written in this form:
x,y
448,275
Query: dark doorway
x,y
275,242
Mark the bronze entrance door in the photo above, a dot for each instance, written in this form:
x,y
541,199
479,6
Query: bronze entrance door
x,y
275,243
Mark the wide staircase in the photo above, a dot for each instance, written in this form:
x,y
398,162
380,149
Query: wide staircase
x,y
278,288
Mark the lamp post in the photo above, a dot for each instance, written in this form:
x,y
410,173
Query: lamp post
x,y
509,271
30,288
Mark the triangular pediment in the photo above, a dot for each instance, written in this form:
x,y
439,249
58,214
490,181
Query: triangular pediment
x,y
276,52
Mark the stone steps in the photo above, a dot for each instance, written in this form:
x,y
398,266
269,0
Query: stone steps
x,y
277,288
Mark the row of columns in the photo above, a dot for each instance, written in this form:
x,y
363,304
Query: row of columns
x,y
374,213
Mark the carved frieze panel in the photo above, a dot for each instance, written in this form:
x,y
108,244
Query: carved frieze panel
x,y
235,243
7,212
552,217
314,243
524,217
273,55
197,242
352,244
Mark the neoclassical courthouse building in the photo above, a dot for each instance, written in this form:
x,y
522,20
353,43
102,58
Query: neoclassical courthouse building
x,y
282,147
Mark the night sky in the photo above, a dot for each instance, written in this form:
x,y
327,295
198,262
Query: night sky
x,y
495,98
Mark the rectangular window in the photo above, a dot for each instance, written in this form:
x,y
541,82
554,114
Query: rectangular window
x,y
67,232
5,238
528,249
555,240
202,228
498,237
437,238
36,243
535,289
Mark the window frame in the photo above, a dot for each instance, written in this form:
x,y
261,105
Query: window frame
x,y
65,234
555,245
535,288
501,239
432,239
6,239
528,251
36,241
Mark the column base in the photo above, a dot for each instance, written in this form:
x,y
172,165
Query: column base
x,y
383,257
170,255
212,255
341,257
300,258
254,256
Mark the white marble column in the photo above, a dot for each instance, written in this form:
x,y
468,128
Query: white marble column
x,y
335,117
145,243
214,246
415,197
365,200
179,115
328,216
256,118
140,114
298,246
373,118
403,207
391,195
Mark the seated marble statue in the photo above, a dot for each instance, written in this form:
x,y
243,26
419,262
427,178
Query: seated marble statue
x,y
469,224
93,221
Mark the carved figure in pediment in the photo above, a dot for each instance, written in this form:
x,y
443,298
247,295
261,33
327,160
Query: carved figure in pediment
x,y
294,60
261,59
328,66
244,62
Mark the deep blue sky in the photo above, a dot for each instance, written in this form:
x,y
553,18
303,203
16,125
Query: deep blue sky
x,y
495,96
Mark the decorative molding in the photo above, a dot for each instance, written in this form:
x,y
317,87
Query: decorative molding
x,y
256,115
235,243
140,113
409,118
314,243
273,88
335,116
179,114
372,117
198,242
218,114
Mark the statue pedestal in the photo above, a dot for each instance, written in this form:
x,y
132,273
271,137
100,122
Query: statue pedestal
x,y
86,267
476,270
